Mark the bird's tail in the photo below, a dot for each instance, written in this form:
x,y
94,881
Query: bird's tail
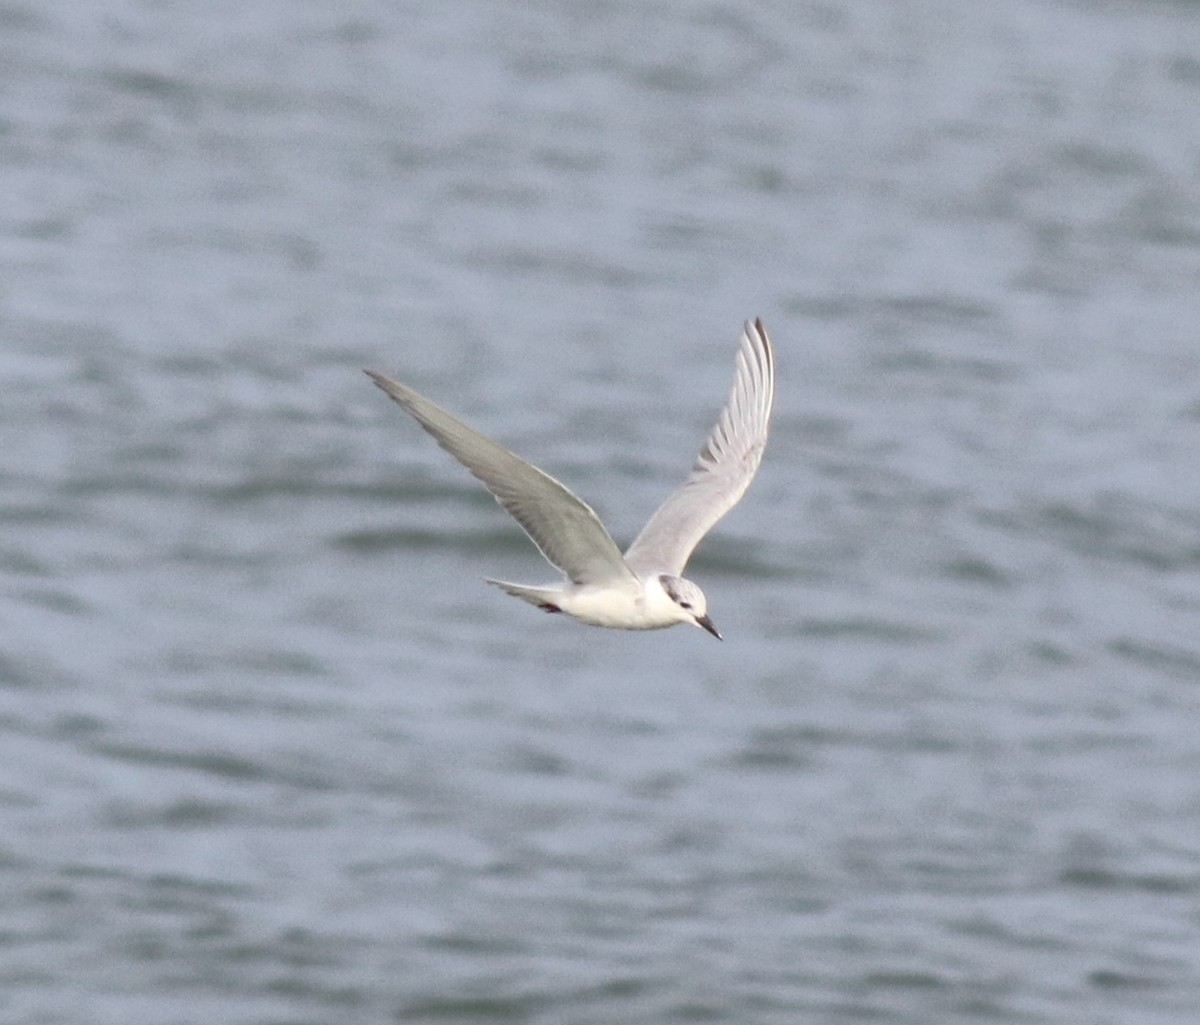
x,y
546,598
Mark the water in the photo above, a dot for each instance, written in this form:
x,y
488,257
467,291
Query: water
x,y
270,750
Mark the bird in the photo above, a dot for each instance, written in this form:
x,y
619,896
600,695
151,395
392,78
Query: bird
x,y
644,589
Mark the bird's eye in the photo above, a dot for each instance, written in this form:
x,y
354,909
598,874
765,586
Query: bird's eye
x,y
686,604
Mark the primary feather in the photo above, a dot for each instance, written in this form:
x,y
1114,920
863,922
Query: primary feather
x,y
565,528
724,468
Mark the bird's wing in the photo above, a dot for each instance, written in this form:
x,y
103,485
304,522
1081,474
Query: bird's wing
x,y
722,471
566,529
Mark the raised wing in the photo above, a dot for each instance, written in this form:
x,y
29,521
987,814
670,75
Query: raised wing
x,y
564,527
723,470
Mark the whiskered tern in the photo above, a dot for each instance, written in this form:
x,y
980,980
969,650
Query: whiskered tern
x,y
644,588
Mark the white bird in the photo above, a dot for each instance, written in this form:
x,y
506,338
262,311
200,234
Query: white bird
x,y
644,589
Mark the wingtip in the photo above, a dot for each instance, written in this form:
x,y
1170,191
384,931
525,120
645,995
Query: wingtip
x,y
760,330
381,381
394,390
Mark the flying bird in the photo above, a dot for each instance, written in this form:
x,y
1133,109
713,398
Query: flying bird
x,y
644,589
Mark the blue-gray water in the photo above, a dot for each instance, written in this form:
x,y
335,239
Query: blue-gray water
x,y
271,753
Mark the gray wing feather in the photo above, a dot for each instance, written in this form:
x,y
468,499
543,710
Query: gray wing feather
x,y
723,470
565,528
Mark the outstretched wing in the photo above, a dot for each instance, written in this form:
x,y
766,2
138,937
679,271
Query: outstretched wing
x,y
723,470
564,527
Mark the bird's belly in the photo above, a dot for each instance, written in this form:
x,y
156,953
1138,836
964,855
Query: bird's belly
x,y
618,610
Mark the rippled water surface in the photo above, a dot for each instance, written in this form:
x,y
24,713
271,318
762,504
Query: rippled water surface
x,y
271,752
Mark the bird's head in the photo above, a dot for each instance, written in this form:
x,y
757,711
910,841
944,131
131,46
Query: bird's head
x,y
690,600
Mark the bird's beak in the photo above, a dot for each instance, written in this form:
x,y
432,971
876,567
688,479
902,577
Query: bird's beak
x,y
707,623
